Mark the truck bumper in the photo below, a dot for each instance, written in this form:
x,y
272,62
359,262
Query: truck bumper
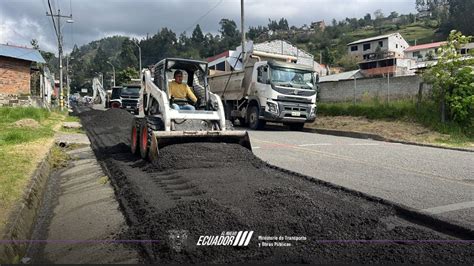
x,y
290,113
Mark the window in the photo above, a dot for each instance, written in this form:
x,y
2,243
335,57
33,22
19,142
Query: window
x,y
354,48
381,43
396,46
366,46
417,54
220,66
463,51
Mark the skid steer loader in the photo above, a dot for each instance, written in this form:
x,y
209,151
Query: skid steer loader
x,y
158,124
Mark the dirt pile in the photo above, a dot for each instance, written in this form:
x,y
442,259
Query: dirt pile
x,y
28,123
202,189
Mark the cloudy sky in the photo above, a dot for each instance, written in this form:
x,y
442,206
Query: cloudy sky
x,y
23,20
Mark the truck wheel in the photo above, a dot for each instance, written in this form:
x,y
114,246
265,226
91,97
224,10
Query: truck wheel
x,y
144,140
254,122
296,126
135,136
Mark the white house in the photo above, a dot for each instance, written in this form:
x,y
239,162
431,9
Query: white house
x,y
386,46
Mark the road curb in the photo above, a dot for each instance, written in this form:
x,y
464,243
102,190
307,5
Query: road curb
x,y
445,226
362,135
21,221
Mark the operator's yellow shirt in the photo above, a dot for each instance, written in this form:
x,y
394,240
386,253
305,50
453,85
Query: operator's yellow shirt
x,y
181,91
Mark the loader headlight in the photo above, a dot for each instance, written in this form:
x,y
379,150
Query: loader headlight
x,y
272,107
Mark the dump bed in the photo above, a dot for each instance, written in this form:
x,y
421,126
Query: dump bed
x,y
231,85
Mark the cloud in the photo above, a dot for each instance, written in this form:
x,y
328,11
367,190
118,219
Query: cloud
x,y
23,20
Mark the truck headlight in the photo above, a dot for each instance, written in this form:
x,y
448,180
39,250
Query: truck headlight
x,y
313,111
272,107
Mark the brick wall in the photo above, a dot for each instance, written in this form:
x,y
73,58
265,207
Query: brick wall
x,y
14,76
348,90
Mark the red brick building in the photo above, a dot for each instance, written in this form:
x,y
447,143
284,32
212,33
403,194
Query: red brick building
x,y
15,69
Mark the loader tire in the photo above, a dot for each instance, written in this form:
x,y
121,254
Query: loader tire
x,y
144,139
154,124
135,136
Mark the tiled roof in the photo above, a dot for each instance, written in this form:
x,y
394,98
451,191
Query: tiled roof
x,y
424,46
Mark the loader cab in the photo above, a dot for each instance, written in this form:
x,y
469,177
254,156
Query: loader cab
x,y
194,75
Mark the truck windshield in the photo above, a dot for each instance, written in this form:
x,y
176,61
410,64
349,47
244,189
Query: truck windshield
x,y
292,78
130,90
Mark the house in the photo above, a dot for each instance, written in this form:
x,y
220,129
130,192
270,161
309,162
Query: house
x,y
386,46
467,49
15,69
318,25
382,55
423,52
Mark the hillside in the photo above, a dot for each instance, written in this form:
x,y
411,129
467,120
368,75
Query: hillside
x,y
328,45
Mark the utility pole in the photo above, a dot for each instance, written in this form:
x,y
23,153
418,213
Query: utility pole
x,y
113,68
242,29
58,17
67,78
139,59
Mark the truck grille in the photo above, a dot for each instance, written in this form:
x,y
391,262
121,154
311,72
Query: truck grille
x,y
132,103
295,109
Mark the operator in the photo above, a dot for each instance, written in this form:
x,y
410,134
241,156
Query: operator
x,y
180,93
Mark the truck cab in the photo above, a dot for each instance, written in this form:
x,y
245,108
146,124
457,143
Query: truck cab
x,y
285,92
268,91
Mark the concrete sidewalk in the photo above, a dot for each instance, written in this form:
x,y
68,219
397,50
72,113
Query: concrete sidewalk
x,y
80,221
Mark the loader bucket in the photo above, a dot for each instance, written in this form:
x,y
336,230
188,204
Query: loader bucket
x,y
165,138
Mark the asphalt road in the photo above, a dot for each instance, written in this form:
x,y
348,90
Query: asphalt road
x,y
436,181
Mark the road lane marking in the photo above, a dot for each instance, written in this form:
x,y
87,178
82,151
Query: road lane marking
x,y
347,158
450,207
315,144
256,147
363,144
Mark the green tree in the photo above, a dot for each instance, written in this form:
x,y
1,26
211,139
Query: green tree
x,y
461,16
228,28
125,76
453,81
127,57
197,37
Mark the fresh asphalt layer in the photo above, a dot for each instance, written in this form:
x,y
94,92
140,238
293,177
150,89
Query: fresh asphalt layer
x,y
435,181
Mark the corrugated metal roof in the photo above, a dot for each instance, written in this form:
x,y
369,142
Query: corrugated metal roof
x,y
341,76
373,38
27,54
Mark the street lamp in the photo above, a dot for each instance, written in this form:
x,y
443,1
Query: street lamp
x,y
139,59
113,68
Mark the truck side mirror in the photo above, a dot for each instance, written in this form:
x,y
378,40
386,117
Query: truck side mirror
x,y
259,75
262,75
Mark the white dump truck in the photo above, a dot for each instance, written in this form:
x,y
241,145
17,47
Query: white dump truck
x,y
268,91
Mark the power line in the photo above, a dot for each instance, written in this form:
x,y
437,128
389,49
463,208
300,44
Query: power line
x,y
52,18
203,16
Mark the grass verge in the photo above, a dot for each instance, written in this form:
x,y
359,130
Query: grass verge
x,y
403,113
26,136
